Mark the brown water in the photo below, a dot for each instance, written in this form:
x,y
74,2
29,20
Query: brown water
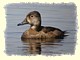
x,y
62,16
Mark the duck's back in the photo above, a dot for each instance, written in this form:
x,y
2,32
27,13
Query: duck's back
x,y
52,31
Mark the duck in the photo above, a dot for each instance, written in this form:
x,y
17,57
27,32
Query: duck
x,y
36,30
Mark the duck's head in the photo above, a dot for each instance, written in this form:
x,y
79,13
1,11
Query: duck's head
x,y
33,18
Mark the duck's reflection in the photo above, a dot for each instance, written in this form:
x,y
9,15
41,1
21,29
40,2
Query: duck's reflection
x,y
35,44
35,48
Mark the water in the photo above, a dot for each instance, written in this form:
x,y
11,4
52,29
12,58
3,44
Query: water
x,y
62,16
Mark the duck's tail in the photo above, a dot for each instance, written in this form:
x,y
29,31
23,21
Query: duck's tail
x,y
65,33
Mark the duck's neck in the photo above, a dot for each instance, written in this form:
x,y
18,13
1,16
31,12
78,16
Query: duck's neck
x,y
36,28
36,25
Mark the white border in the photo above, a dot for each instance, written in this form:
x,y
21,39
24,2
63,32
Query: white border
x,y
3,56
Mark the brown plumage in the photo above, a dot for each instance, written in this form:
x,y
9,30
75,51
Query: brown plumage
x,y
36,30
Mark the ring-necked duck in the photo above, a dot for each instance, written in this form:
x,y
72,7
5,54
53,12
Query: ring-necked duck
x,y
36,30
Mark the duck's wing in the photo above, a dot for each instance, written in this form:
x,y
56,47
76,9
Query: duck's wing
x,y
49,29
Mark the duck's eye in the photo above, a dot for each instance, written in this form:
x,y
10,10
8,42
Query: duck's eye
x,y
31,16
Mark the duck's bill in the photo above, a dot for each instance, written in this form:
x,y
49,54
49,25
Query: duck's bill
x,y
21,24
